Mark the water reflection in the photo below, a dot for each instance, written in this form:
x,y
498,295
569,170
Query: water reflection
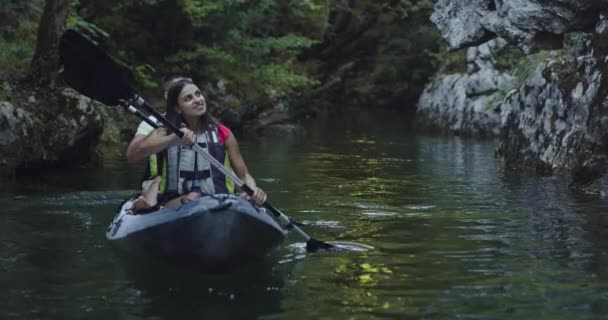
x,y
454,233
56,264
168,293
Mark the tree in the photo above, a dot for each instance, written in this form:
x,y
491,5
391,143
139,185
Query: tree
x,y
45,63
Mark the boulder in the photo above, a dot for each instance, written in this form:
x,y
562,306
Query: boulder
x,y
61,130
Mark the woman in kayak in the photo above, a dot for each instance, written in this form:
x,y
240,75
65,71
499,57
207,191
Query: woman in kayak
x,y
184,174
148,198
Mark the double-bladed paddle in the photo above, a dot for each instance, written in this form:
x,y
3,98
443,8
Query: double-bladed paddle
x,y
93,73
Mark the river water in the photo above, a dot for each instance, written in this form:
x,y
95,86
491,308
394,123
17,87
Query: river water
x,y
455,235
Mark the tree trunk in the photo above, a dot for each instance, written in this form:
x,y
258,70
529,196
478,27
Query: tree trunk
x,y
45,63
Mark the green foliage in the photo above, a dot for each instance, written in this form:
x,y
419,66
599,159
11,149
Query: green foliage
x,y
396,37
214,56
513,61
14,57
77,23
449,62
18,30
289,44
279,77
144,75
244,42
17,49
524,68
198,12
508,57
521,66
575,40
254,45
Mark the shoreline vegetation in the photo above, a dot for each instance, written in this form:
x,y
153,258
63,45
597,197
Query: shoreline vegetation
x,y
265,65
261,63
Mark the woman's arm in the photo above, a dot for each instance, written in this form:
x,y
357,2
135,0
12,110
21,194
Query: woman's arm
x,y
142,146
239,167
133,148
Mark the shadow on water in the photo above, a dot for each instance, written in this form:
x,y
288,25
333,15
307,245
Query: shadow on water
x,y
55,263
168,292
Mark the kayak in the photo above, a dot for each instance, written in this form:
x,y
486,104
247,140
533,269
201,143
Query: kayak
x,y
212,233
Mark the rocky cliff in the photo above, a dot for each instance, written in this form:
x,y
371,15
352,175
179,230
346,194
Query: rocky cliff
x,y
557,120
48,129
531,24
465,103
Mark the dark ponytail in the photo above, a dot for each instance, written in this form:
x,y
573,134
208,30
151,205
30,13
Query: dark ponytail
x,y
172,95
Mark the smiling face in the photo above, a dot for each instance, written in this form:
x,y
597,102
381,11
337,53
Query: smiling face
x,y
190,102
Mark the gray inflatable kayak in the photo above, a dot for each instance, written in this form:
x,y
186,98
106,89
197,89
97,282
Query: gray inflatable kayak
x,y
214,233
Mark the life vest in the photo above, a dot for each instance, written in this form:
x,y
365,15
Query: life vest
x,y
181,168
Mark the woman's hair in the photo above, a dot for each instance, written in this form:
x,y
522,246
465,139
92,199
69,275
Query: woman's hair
x,y
171,79
173,92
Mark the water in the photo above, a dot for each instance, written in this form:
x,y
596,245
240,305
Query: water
x,y
455,235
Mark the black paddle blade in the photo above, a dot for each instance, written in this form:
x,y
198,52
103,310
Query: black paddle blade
x,y
90,71
314,245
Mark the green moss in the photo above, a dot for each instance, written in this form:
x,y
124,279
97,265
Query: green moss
x,y
6,91
508,57
520,66
513,61
449,62
114,123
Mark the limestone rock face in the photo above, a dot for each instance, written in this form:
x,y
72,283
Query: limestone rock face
x,y
15,128
466,103
531,24
557,121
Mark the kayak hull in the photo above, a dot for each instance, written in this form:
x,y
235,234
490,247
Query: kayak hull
x,y
216,233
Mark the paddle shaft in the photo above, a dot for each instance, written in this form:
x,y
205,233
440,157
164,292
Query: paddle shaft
x,y
229,173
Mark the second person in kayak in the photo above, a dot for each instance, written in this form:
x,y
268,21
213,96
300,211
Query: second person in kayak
x,y
185,173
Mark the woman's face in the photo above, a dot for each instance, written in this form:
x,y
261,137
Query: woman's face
x,y
191,102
